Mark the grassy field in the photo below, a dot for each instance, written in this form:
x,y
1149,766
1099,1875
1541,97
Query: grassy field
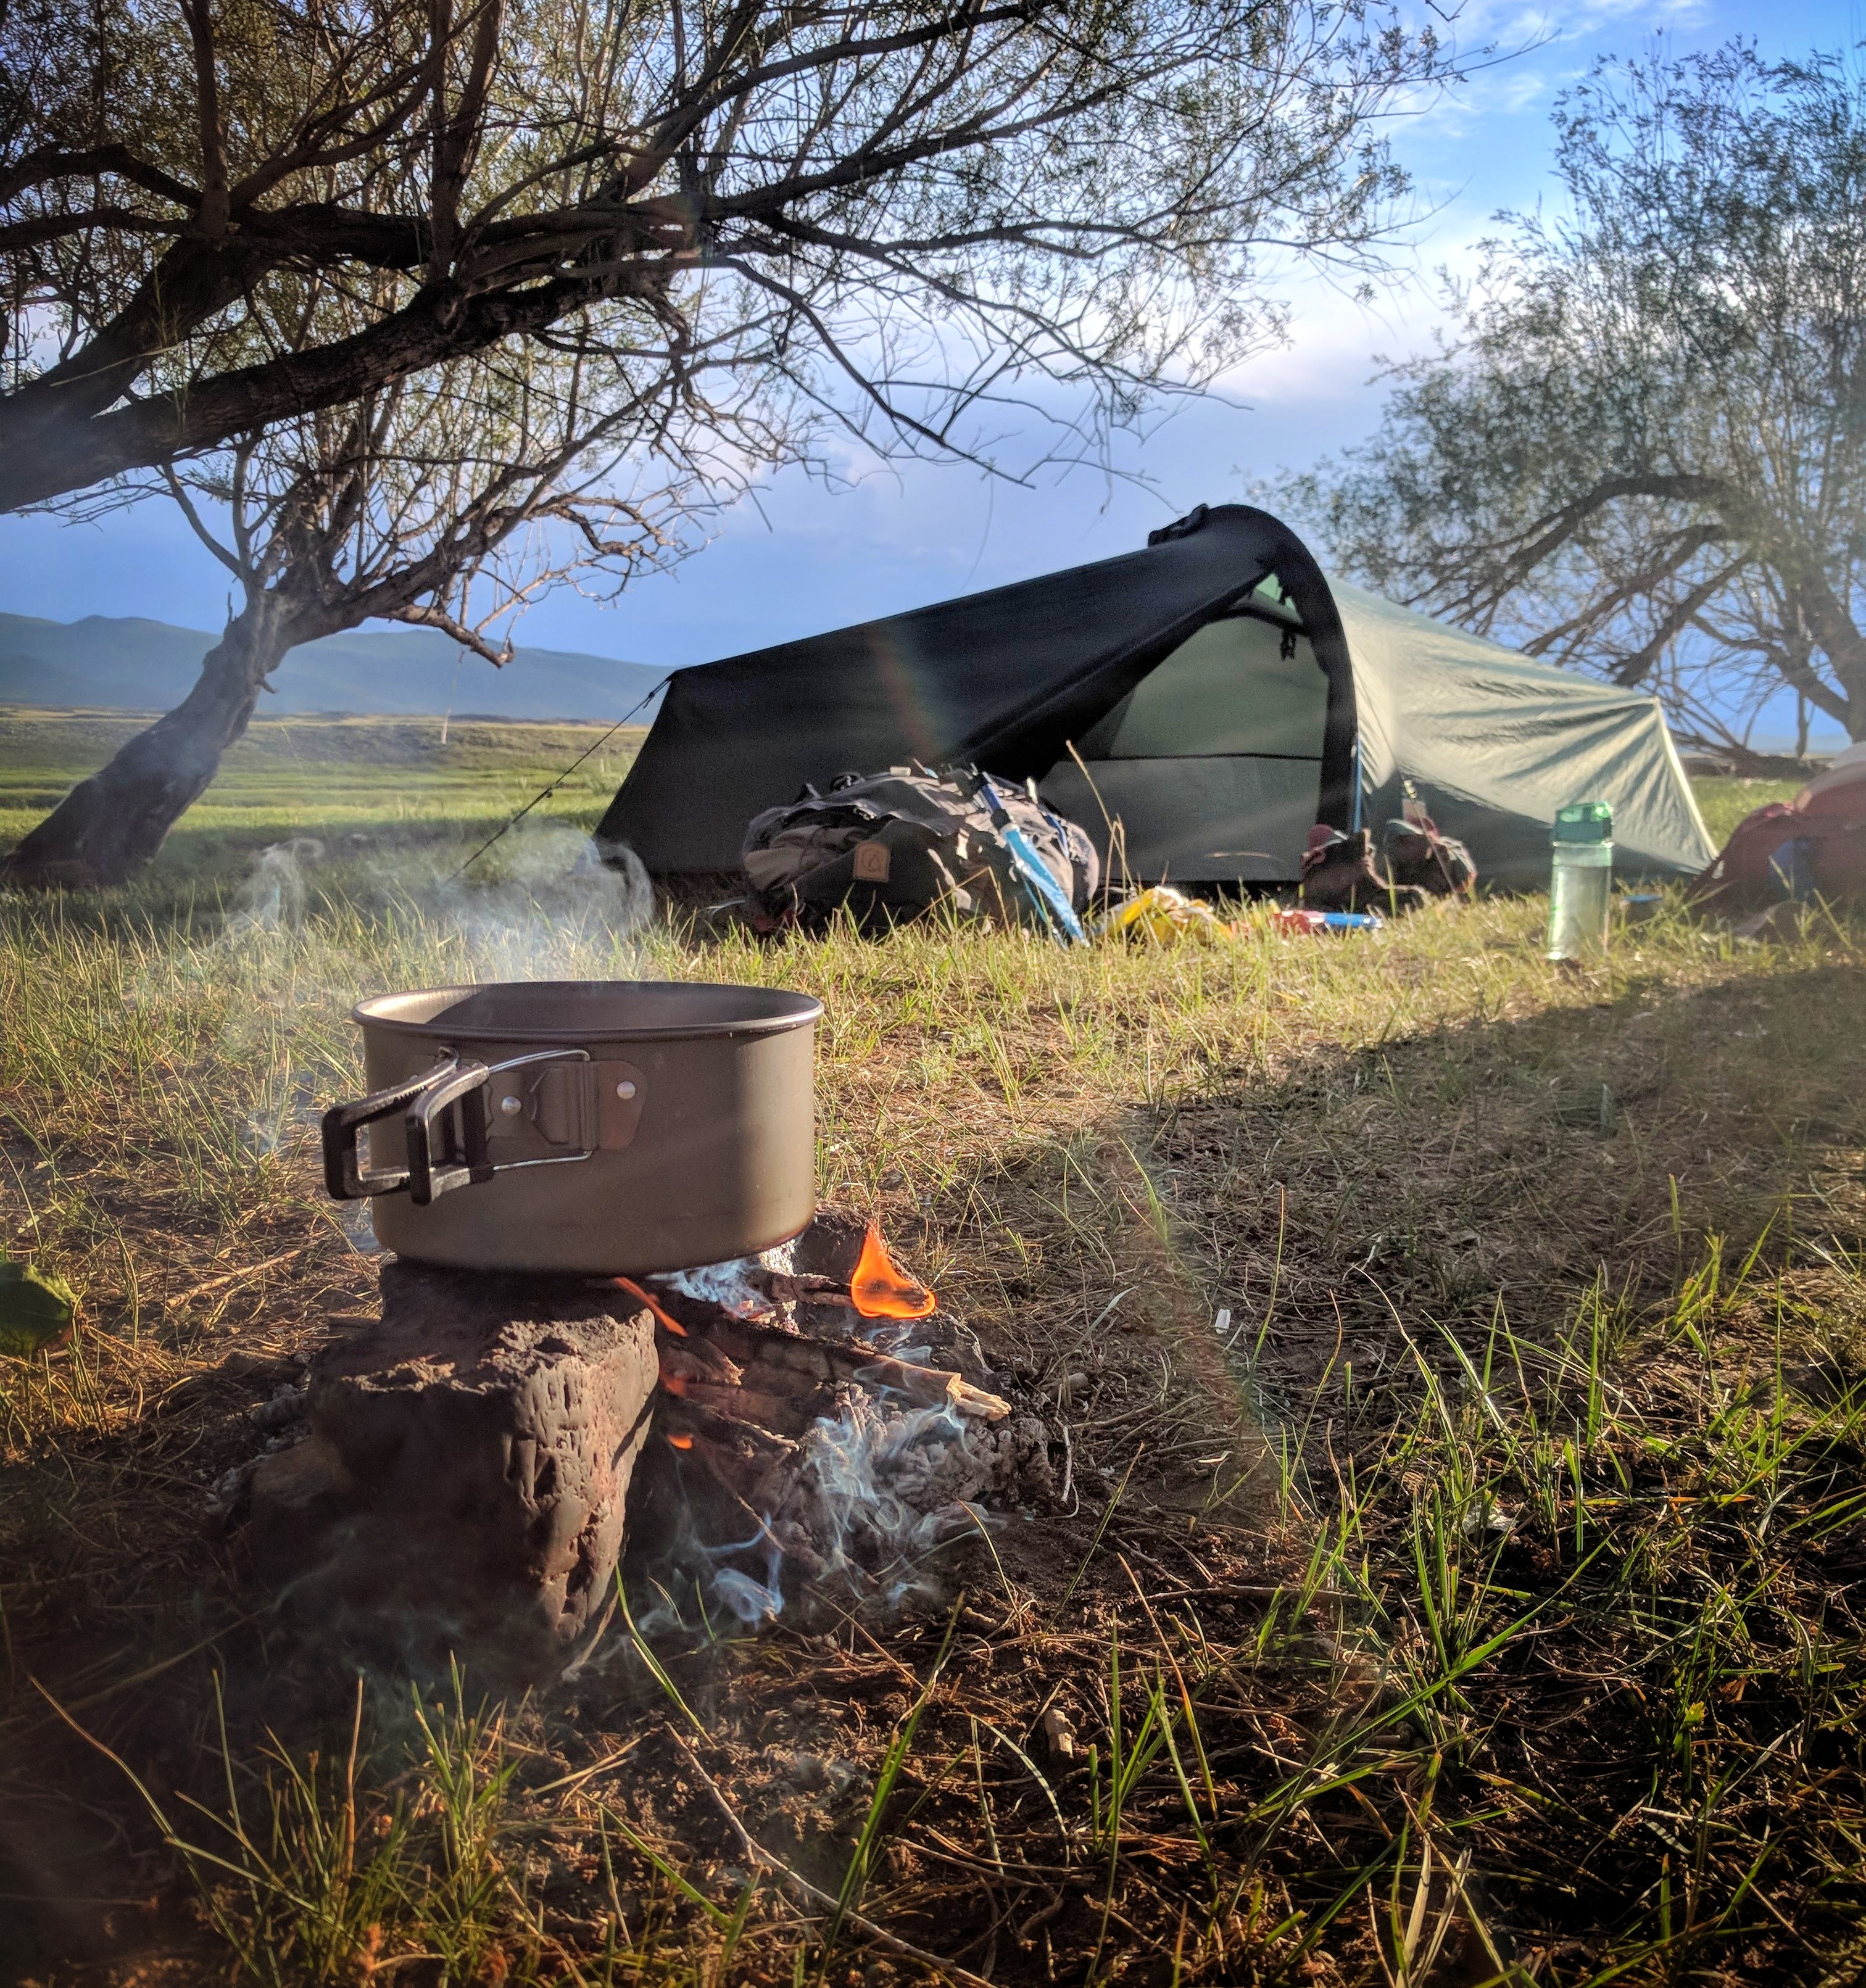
x,y
352,782
1461,1361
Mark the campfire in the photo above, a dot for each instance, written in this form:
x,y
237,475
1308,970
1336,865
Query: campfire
x,y
831,1451
805,1426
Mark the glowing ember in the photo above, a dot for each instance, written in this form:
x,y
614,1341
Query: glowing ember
x,y
661,1317
879,1290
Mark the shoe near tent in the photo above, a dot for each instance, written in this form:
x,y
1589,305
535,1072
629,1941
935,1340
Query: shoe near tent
x,y
1223,695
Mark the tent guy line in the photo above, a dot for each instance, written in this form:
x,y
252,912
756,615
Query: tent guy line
x,y
544,793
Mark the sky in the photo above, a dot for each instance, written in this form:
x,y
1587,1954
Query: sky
x,y
800,558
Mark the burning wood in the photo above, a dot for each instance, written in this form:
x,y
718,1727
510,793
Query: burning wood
x,y
836,1456
783,1380
932,1387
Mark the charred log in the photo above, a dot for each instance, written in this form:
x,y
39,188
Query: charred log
x,y
465,1486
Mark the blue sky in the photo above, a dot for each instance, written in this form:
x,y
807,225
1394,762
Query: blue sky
x,y
802,557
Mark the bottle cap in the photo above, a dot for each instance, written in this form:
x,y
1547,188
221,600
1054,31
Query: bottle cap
x,y
1584,821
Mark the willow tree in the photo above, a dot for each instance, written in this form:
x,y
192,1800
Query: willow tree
x,y
1642,450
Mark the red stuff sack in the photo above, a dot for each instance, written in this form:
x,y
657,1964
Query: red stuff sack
x,y
1813,846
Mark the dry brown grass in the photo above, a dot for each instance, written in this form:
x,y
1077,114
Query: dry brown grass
x,y
1477,1607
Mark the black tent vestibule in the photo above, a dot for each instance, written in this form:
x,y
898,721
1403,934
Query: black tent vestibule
x,y
1222,694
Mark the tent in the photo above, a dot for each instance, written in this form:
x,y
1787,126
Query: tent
x,y
1222,695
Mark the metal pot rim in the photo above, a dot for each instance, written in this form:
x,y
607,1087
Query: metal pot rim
x,y
429,1013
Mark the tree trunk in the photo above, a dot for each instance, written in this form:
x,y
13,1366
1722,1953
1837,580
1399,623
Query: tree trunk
x,y
111,824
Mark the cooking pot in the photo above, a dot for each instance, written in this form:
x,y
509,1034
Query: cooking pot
x,y
608,1126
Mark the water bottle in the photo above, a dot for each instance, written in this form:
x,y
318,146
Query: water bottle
x,y
1580,881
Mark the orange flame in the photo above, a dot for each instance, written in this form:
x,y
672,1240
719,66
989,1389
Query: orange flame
x,y
641,1296
879,1290
681,1442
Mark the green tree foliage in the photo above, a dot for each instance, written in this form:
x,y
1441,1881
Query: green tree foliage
x,y
1641,450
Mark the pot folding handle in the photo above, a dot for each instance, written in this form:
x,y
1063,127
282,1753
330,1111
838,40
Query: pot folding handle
x,y
447,1120
436,1161
345,1176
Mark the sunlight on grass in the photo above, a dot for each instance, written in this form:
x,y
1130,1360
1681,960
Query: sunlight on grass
x,y
351,782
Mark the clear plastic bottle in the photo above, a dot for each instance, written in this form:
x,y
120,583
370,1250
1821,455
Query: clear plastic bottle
x,y
1580,881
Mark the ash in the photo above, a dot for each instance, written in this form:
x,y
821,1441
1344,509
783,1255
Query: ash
x,y
877,1488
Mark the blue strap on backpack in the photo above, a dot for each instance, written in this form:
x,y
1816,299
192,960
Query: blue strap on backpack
x,y
1052,905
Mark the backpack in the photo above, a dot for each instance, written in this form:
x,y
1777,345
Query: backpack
x,y
1813,846
1340,873
1416,852
888,847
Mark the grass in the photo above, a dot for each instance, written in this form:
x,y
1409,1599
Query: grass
x,y
1724,802
350,781
1461,1367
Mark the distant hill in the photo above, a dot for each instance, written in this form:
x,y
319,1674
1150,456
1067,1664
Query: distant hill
x,y
129,664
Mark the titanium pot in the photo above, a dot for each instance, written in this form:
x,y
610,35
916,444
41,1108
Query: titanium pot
x,y
608,1127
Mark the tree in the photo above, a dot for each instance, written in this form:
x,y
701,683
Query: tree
x,y
1643,451
939,195
446,501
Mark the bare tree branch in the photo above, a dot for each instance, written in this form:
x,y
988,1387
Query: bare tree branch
x,y
964,149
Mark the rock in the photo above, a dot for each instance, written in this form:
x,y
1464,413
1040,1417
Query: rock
x,y
463,1486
